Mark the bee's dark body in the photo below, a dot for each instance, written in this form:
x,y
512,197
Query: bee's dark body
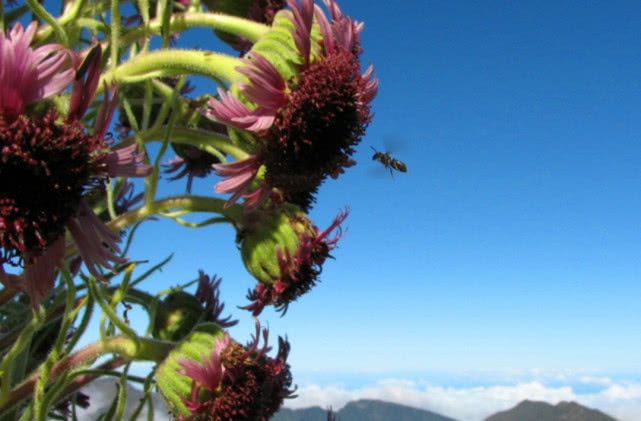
x,y
388,161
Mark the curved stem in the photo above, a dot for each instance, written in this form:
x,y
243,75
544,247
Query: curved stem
x,y
42,13
70,14
150,350
151,183
233,213
172,62
198,138
40,405
6,366
192,203
182,21
109,312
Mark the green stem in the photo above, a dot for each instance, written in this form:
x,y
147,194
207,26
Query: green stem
x,y
93,25
42,13
109,312
143,6
151,183
192,203
180,22
71,14
6,367
40,407
115,31
198,138
137,296
174,62
149,350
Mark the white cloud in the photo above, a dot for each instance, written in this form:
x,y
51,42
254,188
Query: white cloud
x,y
620,399
623,401
101,393
603,381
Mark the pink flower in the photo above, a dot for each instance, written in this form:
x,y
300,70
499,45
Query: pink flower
x,y
267,89
96,243
243,384
209,373
303,26
124,162
307,126
239,176
230,110
27,74
49,197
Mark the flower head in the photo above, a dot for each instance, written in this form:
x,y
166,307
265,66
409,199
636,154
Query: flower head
x,y
230,382
307,115
190,161
49,163
285,252
208,293
27,74
181,311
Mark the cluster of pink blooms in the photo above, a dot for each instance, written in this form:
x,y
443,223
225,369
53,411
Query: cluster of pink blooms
x,y
56,157
50,162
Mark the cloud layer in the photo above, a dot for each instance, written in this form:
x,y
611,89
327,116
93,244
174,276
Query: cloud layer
x,y
101,394
618,398
621,400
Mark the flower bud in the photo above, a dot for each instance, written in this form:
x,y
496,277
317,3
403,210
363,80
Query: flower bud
x,y
210,376
174,386
285,252
176,315
274,232
179,312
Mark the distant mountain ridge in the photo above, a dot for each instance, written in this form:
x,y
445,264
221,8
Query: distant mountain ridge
x,y
362,410
542,411
375,410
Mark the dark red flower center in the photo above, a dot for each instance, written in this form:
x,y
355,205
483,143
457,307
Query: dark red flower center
x,y
314,135
250,390
306,268
299,274
197,162
44,170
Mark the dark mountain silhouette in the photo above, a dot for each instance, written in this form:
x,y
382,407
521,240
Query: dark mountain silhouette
x,y
375,410
362,410
542,411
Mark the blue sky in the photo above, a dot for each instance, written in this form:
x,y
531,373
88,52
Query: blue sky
x,y
508,256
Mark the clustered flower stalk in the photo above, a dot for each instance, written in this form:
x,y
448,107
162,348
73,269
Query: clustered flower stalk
x,y
83,96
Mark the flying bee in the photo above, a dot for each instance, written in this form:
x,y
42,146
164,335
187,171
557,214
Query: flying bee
x,y
388,161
